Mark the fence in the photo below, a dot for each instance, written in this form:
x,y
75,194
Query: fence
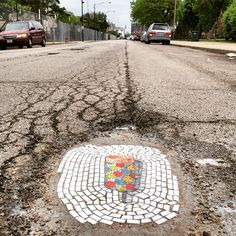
x,y
58,31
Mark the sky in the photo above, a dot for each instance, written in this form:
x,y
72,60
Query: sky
x,y
121,16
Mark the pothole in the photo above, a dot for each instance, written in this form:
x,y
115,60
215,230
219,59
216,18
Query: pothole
x,y
53,53
77,49
120,183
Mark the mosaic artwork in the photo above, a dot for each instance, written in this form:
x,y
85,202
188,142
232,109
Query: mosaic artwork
x,y
118,184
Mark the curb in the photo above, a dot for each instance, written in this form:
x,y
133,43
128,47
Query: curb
x,y
213,50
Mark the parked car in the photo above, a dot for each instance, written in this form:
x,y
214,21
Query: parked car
x,y
158,32
131,37
142,39
22,33
136,37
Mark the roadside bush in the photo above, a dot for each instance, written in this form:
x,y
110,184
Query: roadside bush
x,y
230,21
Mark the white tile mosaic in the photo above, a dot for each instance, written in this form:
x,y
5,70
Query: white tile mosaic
x,y
81,187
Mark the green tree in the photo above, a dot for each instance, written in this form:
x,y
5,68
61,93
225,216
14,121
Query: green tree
x,y
230,21
69,18
98,21
209,11
148,11
188,18
6,8
47,7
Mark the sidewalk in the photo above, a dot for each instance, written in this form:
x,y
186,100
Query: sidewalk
x,y
219,47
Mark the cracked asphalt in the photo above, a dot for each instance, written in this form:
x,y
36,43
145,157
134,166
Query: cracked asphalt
x,y
180,100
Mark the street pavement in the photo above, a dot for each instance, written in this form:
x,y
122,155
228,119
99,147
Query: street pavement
x,y
171,104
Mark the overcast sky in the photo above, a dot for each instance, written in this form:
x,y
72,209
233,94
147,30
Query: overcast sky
x,y
121,17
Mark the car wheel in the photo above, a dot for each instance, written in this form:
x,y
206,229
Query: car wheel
x,y
3,47
147,42
43,42
21,46
29,44
168,43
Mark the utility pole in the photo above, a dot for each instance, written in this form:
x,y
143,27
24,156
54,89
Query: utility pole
x,y
82,19
40,11
175,18
94,19
94,16
17,12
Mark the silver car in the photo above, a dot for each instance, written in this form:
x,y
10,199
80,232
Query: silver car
x,y
158,32
142,39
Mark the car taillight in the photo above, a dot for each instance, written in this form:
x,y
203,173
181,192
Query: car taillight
x,y
168,34
152,33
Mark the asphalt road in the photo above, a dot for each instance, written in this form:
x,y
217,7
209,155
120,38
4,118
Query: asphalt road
x,y
180,100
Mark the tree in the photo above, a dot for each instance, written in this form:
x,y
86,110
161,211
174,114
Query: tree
x,y
189,15
148,11
97,22
69,18
188,18
6,8
47,7
209,11
230,21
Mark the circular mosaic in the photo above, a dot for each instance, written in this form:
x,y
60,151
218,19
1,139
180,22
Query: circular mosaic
x,y
120,183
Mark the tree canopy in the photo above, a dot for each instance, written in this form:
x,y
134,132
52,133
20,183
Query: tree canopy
x,y
6,8
209,11
98,21
230,21
148,11
47,7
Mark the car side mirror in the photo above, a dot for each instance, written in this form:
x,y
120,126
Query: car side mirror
x,y
32,28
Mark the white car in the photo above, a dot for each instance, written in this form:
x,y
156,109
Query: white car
x,y
142,39
158,32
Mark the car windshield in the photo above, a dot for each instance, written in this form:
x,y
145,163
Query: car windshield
x,y
160,27
16,26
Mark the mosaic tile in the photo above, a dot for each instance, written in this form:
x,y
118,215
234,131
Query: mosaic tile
x,y
74,213
126,217
144,221
120,183
107,217
133,221
175,208
139,217
161,221
171,215
82,214
118,220
80,219
108,222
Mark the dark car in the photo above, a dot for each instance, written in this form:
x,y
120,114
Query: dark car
x,y
22,33
158,32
